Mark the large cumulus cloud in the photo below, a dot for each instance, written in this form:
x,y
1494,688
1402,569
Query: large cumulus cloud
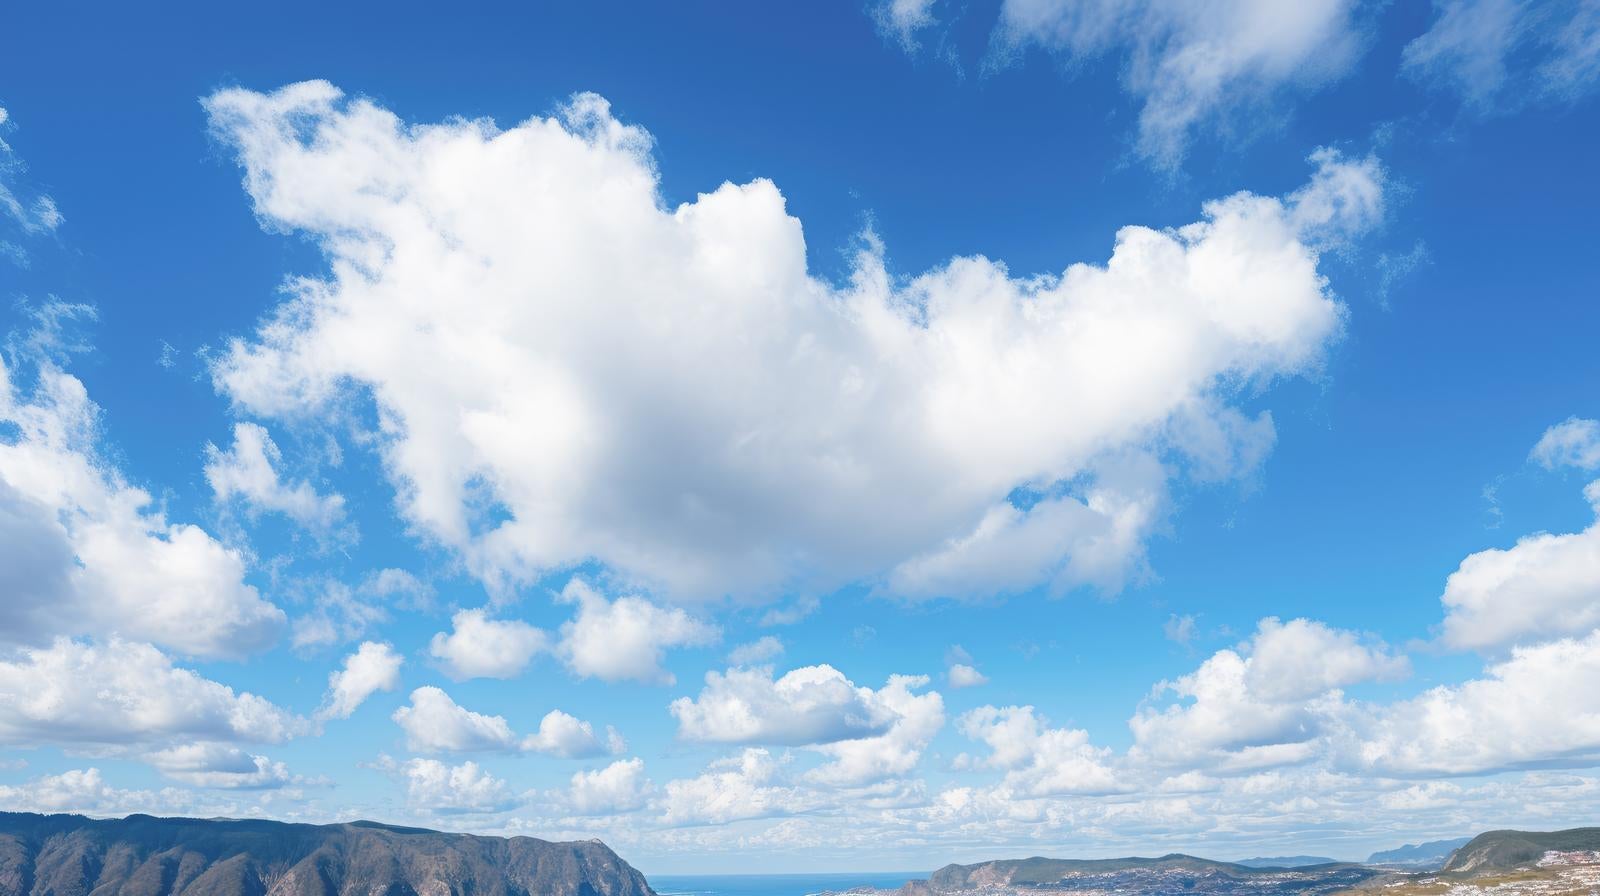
x,y
567,371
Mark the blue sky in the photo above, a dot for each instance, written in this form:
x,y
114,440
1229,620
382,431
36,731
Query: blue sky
x,y
803,413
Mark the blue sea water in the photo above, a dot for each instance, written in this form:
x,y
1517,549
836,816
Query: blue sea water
x,y
775,884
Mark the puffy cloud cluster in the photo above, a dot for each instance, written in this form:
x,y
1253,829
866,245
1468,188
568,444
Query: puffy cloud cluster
x,y
79,790
1040,760
894,753
618,788
434,723
1545,585
436,787
731,789
868,734
1266,703
669,393
809,705
1536,709
480,647
625,639
120,694
1497,52
82,552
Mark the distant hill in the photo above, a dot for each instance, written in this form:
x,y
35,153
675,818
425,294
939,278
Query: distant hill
x,y
1500,850
1429,856
1285,861
70,855
1175,873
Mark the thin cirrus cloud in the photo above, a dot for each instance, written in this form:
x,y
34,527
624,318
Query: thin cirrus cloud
x,y
1193,67
247,471
873,433
1504,54
21,216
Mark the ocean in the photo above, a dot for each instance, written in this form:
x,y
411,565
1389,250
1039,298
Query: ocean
x,y
775,884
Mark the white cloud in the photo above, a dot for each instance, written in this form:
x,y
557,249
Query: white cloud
x,y
585,336
960,670
436,787
1508,52
618,788
117,694
1193,63
84,554
738,787
434,723
760,650
625,639
77,790
220,766
247,471
1266,703
1096,539
1574,442
1040,760
1179,629
569,738
25,217
1544,585
901,20
1302,658
373,667
961,675
480,647
894,753
339,614
809,705
1538,708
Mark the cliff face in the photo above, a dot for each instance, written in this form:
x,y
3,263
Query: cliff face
x,y
70,855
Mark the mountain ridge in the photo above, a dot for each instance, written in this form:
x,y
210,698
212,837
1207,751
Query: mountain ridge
x,y
1502,850
1285,861
1429,855
143,855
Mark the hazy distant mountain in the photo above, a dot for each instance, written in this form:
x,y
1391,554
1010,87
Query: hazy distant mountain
x,y
1429,856
1285,861
1499,850
70,855
1174,873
